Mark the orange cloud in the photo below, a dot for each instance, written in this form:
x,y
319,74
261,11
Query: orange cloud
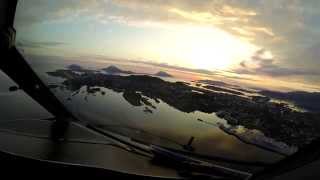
x,y
233,11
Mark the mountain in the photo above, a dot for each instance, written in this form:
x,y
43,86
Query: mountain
x,y
163,74
115,70
307,100
75,67
212,82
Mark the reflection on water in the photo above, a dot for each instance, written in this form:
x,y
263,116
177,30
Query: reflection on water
x,y
110,110
289,104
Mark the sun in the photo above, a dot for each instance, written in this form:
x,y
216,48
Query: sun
x,y
204,56
209,48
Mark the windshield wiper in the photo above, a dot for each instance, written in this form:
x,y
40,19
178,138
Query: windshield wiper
x,y
186,166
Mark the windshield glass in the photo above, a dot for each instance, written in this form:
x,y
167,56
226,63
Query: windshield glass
x,y
229,79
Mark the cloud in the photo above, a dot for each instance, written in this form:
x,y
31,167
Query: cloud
x,y
223,74
243,64
35,11
162,65
203,17
262,63
264,30
288,28
227,14
202,71
233,11
43,44
247,20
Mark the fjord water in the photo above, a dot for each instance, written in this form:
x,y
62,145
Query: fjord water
x,y
17,105
165,126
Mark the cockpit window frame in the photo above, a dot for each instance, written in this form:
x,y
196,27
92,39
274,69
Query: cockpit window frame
x,y
35,88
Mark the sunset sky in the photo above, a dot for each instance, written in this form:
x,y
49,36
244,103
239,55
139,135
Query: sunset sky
x,y
270,42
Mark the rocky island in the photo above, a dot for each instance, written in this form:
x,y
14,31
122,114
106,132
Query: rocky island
x,y
116,70
274,120
163,74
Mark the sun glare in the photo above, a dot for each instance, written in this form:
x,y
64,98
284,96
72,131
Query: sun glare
x,y
209,48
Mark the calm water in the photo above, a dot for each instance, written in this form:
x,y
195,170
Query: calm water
x,y
17,105
165,126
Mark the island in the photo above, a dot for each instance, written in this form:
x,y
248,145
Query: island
x,y
75,67
274,120
115,70
163,74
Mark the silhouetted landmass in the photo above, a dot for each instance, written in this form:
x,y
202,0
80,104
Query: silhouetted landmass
x,y
116,70
163,74
212,82
244,90
216,88
274,120
147,110
75,67
260,99
306,100
223,84
132,97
